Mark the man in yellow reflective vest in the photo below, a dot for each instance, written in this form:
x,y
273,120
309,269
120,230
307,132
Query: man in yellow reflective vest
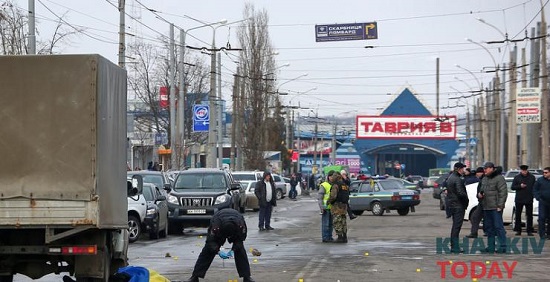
x,y
326,216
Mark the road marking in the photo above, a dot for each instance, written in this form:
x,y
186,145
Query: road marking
x,y
316,264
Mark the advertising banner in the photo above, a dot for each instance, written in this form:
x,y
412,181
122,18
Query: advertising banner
x,y
405,127
343,32
528,105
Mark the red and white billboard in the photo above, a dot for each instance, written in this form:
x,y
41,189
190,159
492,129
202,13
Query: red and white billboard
x,y
405,127
164,101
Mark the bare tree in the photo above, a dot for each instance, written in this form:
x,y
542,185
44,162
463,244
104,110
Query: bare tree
x,y
13,32
258,99
147,74
12,29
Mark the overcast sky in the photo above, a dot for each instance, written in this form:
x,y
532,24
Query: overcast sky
x,y
348,76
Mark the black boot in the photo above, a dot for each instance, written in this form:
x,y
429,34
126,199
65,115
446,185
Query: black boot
x,y
345,237
248,279
192,279
340,239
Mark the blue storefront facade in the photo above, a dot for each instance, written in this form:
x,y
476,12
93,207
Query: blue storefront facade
x,y
406,138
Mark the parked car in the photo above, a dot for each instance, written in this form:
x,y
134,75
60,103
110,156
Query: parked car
x,y
430,181
298,187
416,179
380,194
510,174
251,201
198,193
438,185
508,215
156,219
159,178
137,208
280,186
411,186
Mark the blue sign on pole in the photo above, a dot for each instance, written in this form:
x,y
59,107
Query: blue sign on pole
x,y
201,118
342,32
161,138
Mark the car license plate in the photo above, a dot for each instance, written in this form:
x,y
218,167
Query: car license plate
x,y
200,211
406,197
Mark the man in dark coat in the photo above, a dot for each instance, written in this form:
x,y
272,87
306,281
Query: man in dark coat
x,y
226,224
541,191
267,199
523,185
457,200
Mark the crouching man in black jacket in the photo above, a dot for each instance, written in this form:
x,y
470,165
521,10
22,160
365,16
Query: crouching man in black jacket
x,y
457,198
227,224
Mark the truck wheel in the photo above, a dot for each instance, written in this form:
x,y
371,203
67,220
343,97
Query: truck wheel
x,y
279,194
134,228
6,278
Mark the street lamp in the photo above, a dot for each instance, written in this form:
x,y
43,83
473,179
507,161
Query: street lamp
x,y
214,119
500,102
496,28
181,95
465,83
290,80
473,162
300,93
470,72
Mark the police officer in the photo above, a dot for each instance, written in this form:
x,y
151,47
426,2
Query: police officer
x,y
226,224
339,197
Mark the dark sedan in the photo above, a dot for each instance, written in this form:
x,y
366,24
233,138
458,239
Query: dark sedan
x,y
380,194
156,220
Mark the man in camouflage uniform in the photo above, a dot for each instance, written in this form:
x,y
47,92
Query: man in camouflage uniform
x,y
339,206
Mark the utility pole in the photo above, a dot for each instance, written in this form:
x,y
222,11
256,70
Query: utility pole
x,y
315,142
211,148
437,87
299,145
485,125
180,116
32,28
333,151
512,121
121,35
502,119
219,110
173,129
468,136
533,128
235,118
545,142
524,140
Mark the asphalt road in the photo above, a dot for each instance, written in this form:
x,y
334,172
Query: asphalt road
x,y
380,248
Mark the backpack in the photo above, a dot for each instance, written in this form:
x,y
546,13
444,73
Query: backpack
x,y
343,193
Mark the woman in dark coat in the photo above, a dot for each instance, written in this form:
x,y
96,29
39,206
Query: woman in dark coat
x,y
267,199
